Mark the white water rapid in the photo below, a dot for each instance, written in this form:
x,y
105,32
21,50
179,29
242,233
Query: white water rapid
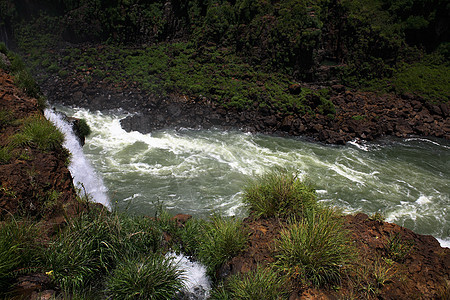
x,y
201,172
84,176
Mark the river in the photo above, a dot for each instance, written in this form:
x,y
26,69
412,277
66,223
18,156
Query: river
x,y
201,172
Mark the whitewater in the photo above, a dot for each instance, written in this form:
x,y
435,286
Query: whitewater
x,y
201,172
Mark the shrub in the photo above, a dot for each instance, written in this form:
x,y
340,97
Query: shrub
x,y
153,277
314,248
39,132
262,283
83,128
279,194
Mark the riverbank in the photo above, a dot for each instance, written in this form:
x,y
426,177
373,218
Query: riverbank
x,y
351,115
393,261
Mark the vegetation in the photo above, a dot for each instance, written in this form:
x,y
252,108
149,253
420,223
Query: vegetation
x,y
94,243
18,250
22,75
150,277
398,248
363,40
37,131
214,242
280,194
315,248
262,283
83,128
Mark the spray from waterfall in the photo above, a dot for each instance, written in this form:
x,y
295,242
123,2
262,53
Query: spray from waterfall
x,y
84,176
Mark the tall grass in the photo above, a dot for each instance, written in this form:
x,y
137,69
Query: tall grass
x,y
261,283
315,248
279,194
92,245
5,155
38,132
213,242
17,250
150,277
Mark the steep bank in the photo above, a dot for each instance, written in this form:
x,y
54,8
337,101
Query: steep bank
x,y
33,181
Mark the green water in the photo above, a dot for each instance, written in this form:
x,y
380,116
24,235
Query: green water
x,y
201,172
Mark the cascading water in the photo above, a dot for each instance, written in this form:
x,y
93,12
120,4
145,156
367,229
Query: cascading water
x,y
197,285
200,172
84,176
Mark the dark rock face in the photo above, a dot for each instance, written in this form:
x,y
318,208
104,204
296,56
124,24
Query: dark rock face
x,y
359,115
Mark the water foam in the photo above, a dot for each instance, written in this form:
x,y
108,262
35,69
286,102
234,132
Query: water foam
x,y
202,172
197,284
84,176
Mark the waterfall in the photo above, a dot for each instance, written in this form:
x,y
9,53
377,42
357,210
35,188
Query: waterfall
x,y
84,176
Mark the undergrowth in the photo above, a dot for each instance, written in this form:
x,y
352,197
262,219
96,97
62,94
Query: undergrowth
x,y
150,277
19,251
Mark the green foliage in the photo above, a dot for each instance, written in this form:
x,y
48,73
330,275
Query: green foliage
x,y
279,194
51,201
315,248
213,242
358,117
17,250
83,128
223,239
398,248
94,243
38,132
377,217
431,82
6,118
150,277
262,283
5,155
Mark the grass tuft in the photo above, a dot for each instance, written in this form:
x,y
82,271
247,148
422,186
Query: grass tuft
x,y
262,283
39,132
17,250
93,244
223,238
279,194
5,155
213,242
398,249
315,248
152,277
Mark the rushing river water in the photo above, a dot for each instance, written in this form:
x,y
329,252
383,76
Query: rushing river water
x,y
201,172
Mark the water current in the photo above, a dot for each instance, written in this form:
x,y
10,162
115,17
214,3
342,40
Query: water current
x,y
201,172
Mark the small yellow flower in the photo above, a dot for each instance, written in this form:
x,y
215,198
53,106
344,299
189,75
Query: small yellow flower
x,y
49,273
